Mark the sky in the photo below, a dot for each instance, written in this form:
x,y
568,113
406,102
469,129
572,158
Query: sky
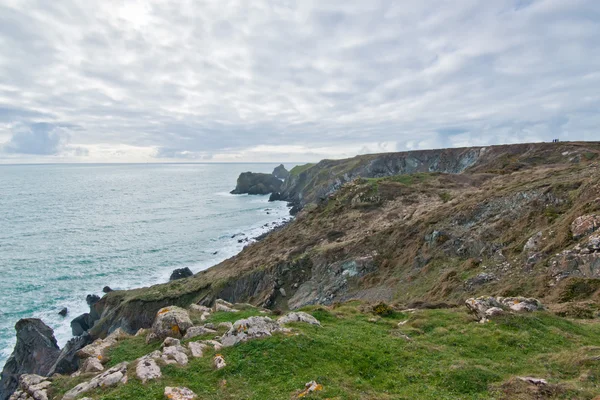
x,y
282,80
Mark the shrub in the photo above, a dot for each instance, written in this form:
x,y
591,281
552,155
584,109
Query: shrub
x,y
383,310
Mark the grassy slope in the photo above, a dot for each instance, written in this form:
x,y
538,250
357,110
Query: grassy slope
x,y
450,357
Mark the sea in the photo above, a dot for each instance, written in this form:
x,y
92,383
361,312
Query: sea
x,y
67,231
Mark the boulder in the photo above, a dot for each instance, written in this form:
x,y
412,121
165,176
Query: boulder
x,y
111,377
68,360
219,362
250,328
171,322
92,299
280,172
175,355
298,317
31,387
275,196
147,369
106,289
170,342
197,331
199,308
224,306
179,393
257,183
197,349
585,225
181,273
486,306
63,312
35,352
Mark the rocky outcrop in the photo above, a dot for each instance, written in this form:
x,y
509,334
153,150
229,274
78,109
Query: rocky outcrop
x,y
32,387
256,183
250,328
35,352
181,273
280,172
68,359
487,306
584,225
147,369
111,377
81,324
299,316
98,348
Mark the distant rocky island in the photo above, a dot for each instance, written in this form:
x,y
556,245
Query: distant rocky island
x,y
452,273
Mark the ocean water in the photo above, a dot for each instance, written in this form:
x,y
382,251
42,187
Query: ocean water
x,y
68,230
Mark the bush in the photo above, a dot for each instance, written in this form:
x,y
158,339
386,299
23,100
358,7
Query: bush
x,y
383,310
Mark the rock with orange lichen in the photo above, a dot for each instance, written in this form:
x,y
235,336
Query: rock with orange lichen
x,y
171,322
310,387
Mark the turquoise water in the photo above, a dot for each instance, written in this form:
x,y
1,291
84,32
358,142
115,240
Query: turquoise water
x,y
68,230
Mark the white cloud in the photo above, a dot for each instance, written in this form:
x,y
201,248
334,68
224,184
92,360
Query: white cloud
x,y
220,80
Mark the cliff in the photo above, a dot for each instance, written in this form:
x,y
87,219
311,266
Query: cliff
x,y
455,225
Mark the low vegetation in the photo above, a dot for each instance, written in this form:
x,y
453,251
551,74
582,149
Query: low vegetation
x,y
356,354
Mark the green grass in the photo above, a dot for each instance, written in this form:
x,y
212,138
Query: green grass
x,y
449,356
298,169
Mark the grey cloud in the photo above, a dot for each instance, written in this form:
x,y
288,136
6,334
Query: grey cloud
x,y
37,139
190,79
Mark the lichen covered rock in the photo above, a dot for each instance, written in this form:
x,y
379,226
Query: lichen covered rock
x,y
147,369
585,225
171,322
487,306
179,393
31,387
250,328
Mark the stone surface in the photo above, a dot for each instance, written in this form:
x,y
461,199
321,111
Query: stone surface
x,y
256,183
199,308
213,343
585,225
147,369
111,377
91,364
310,387
535,381
225,325
298,316
68,360
99,347
81,324
181,273
35,352
31,387
219,362
250,328
197,331
486,306
179,393
533,243
197,349
280,172
175,355
171,322
170,342
63,312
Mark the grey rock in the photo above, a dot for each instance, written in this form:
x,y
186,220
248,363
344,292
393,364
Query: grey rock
x,y
298,316
147,369
181,273
257,183
171,322
68,360
280,172
111,377
250,328
197,331
179,393
35,352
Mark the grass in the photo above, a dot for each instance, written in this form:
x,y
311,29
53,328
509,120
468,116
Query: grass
x,y
449,356
298,169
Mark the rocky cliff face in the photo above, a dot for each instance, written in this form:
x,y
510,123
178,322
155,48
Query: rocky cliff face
x,y
257,183
312,183
501,226
36,352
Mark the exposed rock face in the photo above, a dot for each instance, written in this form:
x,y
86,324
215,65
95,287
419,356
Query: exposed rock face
x,y
111,377
256,183
81,324
299,316
32,387
585,225
98,348
35,352
250,328
583,260
280,172
171,322
68,360
181,273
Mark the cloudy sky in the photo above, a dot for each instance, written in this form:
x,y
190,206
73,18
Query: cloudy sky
x,y
284,80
